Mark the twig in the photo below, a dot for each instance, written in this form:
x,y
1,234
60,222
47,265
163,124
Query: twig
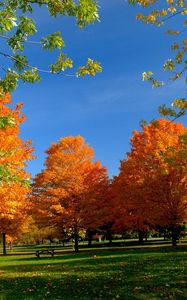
x,y
24,41
31,67
173,15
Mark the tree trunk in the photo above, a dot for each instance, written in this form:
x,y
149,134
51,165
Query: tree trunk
x,y
4,243
76,243
140,236
109,236
90,234
164,234
76,240
174,235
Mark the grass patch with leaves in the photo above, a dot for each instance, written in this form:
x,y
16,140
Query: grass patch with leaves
x,y
131,275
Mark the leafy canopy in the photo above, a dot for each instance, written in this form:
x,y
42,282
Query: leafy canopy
x,y
151,186
70,193
14,180
72,186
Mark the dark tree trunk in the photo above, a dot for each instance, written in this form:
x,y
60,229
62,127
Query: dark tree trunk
x,y
76,240
165,234
76,243
4,243
109,236
140,236
174,234
90,235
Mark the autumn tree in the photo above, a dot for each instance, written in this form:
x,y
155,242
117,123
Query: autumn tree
x,y
70,192
151,188
160,13
14,180
33,234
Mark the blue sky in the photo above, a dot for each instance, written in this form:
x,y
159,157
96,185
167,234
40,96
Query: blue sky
x,y
104,109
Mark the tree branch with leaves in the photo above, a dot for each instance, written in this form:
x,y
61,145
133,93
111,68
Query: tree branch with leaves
x,y
16,28
159,14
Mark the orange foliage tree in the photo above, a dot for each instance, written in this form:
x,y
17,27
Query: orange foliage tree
x,y
14,180
151,189
71,192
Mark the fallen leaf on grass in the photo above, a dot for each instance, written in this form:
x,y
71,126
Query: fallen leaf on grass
x,y
30,290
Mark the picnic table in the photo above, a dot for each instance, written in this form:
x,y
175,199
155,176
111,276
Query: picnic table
x,y
46,251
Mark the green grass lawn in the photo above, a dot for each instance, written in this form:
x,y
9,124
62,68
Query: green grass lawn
x,y
117,274
83,246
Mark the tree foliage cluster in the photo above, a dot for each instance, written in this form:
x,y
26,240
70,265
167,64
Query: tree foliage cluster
x,y
160,13
73,192
17,26
151,189
14,180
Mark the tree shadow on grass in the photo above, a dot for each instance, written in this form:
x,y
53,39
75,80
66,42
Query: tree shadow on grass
x,y
130,277
111,285
154,260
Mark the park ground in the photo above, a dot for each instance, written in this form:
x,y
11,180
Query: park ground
x,y
134,273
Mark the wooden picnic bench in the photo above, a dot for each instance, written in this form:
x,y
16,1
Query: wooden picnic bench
x,y
46,251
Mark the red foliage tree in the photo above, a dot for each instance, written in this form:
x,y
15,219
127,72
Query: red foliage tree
x,y
152,185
